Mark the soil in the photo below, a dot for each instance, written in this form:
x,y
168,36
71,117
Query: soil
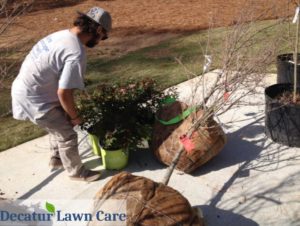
x,y
138,23
286,98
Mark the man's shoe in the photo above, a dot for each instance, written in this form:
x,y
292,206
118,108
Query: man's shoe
x,y
55,163
87,175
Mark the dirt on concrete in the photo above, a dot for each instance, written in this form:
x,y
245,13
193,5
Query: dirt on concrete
x,y
140,23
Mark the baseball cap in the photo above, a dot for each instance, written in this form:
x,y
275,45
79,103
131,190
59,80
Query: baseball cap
x,y
100,16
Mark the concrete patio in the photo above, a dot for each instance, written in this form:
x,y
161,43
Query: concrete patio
x,y
253,181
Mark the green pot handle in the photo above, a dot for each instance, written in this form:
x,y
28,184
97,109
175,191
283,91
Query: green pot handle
x,y
168,100
178,118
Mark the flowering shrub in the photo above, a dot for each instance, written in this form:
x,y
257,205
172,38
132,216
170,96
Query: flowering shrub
x,y
121,115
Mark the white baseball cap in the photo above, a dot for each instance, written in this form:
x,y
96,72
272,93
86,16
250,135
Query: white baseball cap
x,y
100,16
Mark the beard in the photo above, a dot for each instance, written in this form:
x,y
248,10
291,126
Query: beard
x,y
92,42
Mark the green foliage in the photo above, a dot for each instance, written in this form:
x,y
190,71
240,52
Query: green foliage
x,y
121,115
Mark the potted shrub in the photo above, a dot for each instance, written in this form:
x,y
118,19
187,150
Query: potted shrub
x,y
282,123
173,121
285,69
119,117
244,58
282,111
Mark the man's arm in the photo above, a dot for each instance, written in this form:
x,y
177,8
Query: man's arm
x,y
66,99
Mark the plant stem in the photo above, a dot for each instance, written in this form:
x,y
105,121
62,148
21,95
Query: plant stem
x,y
296,60
171,168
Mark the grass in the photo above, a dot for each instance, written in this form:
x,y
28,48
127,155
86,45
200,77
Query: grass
x,y
5,101
157,62
13,132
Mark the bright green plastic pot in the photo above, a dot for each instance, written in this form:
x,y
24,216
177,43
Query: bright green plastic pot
x,y
115,159
111,159
95,144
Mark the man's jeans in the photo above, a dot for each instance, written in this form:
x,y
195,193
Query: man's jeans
x,y
63,139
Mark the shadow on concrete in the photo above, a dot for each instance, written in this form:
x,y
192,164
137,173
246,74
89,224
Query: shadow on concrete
x,y
93,163
235,151
218,217
40,185
282,196
259,154
85,147
250,153
143,159
140,160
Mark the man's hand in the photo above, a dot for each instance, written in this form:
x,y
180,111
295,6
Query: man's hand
x,y
66,99
76,121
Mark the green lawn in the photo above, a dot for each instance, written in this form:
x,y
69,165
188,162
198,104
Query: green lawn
x,y
157,62
13,132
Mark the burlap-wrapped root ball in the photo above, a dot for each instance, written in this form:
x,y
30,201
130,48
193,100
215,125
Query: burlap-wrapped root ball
x,y
149,203
208,141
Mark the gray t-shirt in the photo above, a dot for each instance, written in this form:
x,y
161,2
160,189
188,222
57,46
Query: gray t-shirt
x,y
56,61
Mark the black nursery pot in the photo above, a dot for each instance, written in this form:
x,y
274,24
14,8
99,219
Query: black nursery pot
x,y
282,122
285,69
